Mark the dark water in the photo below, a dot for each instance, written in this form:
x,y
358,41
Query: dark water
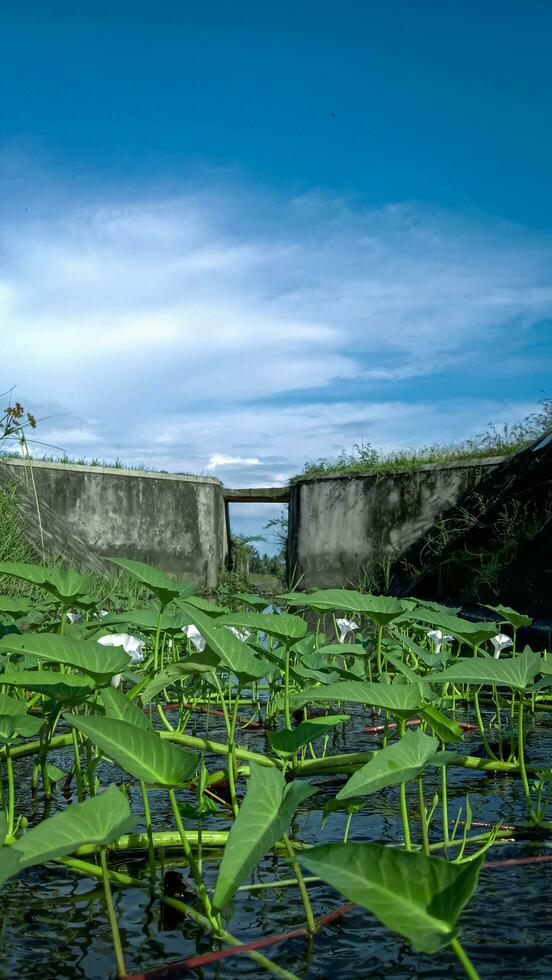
x,y
53,923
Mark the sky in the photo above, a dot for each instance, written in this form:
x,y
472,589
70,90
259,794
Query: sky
x,y
236,237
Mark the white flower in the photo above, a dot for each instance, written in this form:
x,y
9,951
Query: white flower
x,y
500,642
74,617
439,639
130,644
238,634
346,626
195,636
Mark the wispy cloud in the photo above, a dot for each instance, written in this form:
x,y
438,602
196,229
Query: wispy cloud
x,y
174,327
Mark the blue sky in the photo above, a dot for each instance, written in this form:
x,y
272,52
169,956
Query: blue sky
x,y
235,237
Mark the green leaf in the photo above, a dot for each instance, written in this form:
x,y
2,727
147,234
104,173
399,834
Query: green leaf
x,y
381,609
517,672
257,601
98,820
55,773
13,605
23,725
392,697
62,687
12,706
509,615
263,818
446,729
416,896
344,650
396,764
166,589
65,584
275,624
470,633
119,706
336,806
234,653
139,752
99,662
289,741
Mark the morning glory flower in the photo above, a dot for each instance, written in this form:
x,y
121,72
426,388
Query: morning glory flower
x,y
346,626
439,639
500,642
130,644
195,637
73,617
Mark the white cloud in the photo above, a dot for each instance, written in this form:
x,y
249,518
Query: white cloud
x,y
217,331
220,459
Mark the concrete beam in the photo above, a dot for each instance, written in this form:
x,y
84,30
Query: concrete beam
x,y
257,495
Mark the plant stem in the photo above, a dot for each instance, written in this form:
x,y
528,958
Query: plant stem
x,y
78,771
311,924
121,970
201,889
423,816
444,803
149,831
11,791
404,808
156,644
521,759
83,867
287,712
378,653
464,960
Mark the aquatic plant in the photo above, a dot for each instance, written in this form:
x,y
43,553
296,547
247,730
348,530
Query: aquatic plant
x,y
120,700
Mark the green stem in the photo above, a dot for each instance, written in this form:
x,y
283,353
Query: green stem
x,y
201,889
423,816
404,808
484,739
156,644
287,712
378,652
11,792
464,960
78,771
347,826
121,970
521,759
311,924
83,867
149,831
444,802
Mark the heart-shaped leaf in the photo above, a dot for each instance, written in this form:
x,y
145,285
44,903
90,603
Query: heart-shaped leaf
x,y
396,764
416,896
139,752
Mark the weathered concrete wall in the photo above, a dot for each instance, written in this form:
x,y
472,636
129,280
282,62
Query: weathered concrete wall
x,y
176,523
342,528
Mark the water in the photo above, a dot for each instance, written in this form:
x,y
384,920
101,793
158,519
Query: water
x,y
53,922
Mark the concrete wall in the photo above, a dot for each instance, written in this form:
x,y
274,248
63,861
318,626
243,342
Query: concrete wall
x,y
342,527
175,523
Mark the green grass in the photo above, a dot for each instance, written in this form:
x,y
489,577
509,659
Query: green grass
x,y
505,441
110,464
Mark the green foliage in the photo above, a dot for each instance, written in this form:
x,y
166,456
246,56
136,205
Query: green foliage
x,y
100,662
264,817
397,763
98,820
416,896
136,750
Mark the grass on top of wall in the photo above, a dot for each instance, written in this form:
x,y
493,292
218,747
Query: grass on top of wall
x,y
110,464
364,458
